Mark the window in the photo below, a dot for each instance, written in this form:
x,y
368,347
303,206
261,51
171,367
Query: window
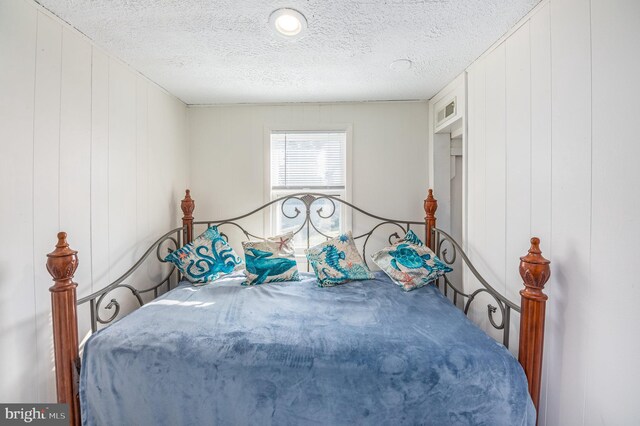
x,y
308,161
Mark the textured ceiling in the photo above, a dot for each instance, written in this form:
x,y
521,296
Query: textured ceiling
x,y
223,51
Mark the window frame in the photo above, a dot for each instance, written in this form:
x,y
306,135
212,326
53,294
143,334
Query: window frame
x,y
346,214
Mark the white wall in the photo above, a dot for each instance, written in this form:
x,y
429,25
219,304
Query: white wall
x,y
87,146
389,155
553,126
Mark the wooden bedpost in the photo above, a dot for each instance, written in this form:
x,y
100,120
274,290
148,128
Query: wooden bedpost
x,y
187,205
62,264
535,272
430,207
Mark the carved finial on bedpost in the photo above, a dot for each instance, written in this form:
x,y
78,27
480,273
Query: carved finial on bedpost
x,y
535,272
62,264
430,207
187,205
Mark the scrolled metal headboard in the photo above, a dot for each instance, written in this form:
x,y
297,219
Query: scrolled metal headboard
x,y
306,221
175,238
303,206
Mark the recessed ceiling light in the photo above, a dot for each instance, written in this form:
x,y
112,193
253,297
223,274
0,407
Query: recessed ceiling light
x,y
288,22
401,65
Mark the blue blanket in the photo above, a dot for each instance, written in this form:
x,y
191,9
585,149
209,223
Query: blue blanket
x,y
362,353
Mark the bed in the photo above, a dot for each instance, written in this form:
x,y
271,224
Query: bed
x,y
294,353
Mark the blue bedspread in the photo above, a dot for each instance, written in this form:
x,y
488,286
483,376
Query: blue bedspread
x,y
295,354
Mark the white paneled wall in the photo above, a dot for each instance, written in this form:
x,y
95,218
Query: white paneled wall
x,y
389,155
553,126
87,146
613,314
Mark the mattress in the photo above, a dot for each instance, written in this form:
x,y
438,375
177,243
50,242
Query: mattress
x,y
293,353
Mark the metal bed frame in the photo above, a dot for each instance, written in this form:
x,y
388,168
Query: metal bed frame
x,y
63,262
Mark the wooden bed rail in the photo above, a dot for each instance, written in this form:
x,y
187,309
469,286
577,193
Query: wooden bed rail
x,y
63,262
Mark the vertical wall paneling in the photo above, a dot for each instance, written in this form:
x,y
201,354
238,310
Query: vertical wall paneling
x,y
540,62
156,154
122,166
570,129
539,31
518,156
100,255
142,149
46,144
18,29
480,216
469,159
476,213
75,149
517,128
547,98
613,369
494,164
491,260
571,205
142,180
174,157
55,167
469,155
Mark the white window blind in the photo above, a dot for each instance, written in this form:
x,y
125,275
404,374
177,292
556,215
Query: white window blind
x,y
308,160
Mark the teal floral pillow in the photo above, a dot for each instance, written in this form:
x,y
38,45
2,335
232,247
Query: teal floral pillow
x,y
409,265
272,260
337,261
206,258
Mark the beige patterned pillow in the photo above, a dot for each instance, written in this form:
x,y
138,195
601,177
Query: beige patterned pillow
x,y
271,260
337,261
